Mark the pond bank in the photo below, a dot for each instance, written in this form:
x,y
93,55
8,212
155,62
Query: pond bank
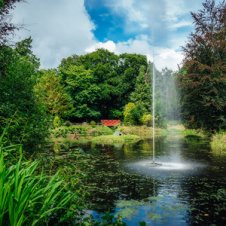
x,y
98,134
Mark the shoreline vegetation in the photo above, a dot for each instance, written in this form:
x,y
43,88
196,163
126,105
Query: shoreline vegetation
x,y
218,143
103,135
98,134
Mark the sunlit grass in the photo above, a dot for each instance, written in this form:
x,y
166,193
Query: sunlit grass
x,y
218,143
112,139
142,131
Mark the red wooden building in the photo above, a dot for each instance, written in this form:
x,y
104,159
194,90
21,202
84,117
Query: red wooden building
x,y
110,122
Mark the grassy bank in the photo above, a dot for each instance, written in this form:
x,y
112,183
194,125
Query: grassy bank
x,y
218,143
112,139
98,134
143,132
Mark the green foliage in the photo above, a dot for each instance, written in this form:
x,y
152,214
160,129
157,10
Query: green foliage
x,y
28,198
112,139
146,119
6,27
132,114
100,83
50,91
68,123
193,132
92,123
142,131
19,108
218,143
142,94
79,84
78,131
202,81
56,121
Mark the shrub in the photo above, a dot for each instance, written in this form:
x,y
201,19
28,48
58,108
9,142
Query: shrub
x,y
132,114
56,121
146,119
68,123
92,123
218,143
82,131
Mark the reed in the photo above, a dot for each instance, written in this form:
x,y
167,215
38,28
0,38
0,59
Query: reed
x,y
28,197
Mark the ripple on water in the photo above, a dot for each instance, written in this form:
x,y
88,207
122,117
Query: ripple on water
x,y
148,167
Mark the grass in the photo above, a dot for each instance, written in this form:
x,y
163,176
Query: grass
x,y
218,143
78,131
63,137
142,131
193,132
112,139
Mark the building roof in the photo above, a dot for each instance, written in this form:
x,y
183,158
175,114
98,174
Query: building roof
x,y
110,122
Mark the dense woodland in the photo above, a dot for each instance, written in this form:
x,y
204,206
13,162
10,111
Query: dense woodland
x,y
101,84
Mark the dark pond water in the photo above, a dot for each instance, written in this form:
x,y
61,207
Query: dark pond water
x,y
187,189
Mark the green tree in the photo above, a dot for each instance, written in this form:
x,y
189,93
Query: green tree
x,y
113,75
80,85
132,114
52,94
202,78
19,107
142,94
6,27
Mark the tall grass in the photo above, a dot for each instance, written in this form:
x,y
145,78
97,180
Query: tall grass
x,y
218,143
28,198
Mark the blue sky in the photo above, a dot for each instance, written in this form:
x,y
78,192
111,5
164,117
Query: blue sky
x,y
108,25
167,23
60,28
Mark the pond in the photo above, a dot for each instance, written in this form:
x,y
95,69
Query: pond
x,y
188,188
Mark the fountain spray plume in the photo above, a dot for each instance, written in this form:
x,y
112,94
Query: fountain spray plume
x,y
153,110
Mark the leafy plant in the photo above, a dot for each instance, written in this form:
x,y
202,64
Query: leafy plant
x,y
28,198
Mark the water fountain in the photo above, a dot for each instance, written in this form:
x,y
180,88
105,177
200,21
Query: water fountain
x,y
153,163
169,101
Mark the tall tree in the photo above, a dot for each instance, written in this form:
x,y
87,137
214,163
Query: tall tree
x,y
203,76
142,94
19,107
80,85
52,94
113,75
6,27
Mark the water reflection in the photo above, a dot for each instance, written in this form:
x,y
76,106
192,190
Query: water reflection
x,y
188,189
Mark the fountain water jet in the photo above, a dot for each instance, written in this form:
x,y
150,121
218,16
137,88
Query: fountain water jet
x,y
153,163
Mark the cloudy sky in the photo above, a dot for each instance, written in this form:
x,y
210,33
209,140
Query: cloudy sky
x,y
60,28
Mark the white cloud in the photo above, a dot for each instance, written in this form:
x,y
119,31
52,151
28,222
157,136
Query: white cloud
x,y
163,57
59,28
158,18
65,28
109,45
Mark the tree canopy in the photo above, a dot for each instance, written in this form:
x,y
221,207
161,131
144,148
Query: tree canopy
x,y
100,83
20,111
6,27
203,75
